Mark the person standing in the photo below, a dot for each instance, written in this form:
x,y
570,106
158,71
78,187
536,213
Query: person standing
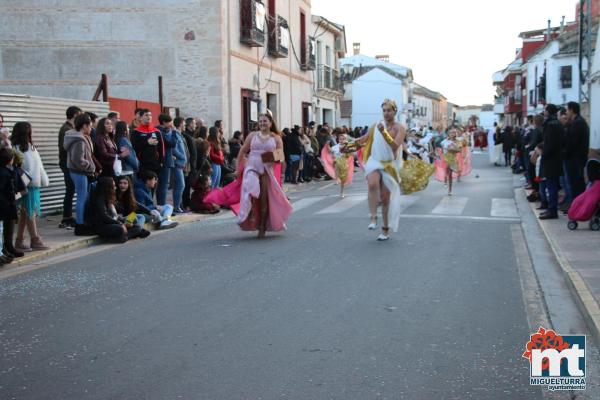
x,y
130,164
508,142
551,168
180,160
11,186
577,148
67,219
263,204
106,149
82,166
30,203
382,168
167,133
148,143
216,157
192,158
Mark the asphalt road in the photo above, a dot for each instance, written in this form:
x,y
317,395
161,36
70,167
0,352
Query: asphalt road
x,y
321,311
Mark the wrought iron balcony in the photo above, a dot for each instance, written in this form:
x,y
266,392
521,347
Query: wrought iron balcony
x,y
329,79
253,23
279,37
310,62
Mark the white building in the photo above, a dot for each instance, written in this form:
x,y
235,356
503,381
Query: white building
x,y
595,99
367,82
422,113
552,73
464,114
487,116
330,46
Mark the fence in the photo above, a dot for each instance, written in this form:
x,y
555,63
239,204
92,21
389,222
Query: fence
x,y
46,115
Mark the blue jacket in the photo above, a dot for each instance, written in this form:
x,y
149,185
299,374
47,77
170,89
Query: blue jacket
x,y
180,158
143,196
129,163
170,142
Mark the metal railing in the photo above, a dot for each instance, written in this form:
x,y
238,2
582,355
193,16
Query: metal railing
x,y
329,78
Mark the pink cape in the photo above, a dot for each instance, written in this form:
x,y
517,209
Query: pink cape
x,y
463,159
329,166
230,195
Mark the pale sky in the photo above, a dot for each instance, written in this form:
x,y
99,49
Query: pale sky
x,y
453,47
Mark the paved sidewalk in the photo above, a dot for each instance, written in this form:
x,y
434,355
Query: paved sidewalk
x,y
64,241
578,253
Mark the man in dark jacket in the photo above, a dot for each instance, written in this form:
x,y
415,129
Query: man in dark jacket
x,y
148,144
551,168
576,149
67,218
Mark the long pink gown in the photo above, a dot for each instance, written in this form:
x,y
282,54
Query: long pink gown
x,y
238,195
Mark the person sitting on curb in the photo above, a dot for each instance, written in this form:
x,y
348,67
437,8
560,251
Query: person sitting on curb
x,y
144,184
102,217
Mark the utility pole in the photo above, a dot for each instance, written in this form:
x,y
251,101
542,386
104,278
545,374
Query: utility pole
x,y
585,54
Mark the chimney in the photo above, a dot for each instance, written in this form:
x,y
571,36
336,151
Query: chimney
x,y
562,24
356,47
548,32
383,57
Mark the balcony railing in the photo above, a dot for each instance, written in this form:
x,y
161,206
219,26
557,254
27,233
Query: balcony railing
x,y
329,79
252,24
311,56
279,37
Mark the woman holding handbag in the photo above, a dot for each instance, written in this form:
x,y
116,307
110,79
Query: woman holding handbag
x,y
35,174
106,150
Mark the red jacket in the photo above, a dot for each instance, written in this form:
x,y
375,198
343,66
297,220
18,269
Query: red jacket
x,y
216,156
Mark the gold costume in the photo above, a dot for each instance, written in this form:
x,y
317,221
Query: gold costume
x,y
415,175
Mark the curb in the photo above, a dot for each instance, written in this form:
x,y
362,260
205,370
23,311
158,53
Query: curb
x,y
583,297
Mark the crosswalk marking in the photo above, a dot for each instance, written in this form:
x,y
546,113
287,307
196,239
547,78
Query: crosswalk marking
x,y
344,204
451,205
505,208
306,202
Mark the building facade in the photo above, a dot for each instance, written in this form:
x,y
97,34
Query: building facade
x,y
367,82
219,59
330,47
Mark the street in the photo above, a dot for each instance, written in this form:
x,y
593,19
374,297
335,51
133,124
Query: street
x,y
321,311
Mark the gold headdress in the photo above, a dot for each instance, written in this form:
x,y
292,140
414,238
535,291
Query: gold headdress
x,y
391,103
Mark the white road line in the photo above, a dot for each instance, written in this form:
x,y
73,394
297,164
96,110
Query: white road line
x,y
307,202
344,204
506,208
326,186
459,218
451,205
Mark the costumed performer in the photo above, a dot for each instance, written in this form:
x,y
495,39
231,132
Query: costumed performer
x,y
382,168
338,161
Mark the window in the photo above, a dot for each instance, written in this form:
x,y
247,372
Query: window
x,y
532,98
302,38
566,76
252,24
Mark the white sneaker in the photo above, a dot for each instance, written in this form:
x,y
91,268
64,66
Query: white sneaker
x,y
168,224
382,237
373,225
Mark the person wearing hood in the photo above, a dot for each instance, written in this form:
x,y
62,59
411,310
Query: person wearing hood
x,y
82,166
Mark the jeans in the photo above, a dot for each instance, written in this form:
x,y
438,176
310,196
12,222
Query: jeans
x,y
178,186
542,192
308,167
69,193
216,176
82,189
1,234
565,183
185,199
140,220
166,212
163,186
552,187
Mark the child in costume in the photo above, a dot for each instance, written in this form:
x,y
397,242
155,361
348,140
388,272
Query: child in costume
x,y
338,161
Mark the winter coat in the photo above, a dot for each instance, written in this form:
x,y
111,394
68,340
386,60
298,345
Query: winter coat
x,y
106,152
80,158
178,151
10,185
553,134
33,166
130,163
577,140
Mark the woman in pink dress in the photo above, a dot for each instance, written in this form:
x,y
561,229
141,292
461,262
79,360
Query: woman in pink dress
x,y
263,204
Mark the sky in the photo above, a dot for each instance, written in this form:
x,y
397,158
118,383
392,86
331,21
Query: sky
x,y
452,46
